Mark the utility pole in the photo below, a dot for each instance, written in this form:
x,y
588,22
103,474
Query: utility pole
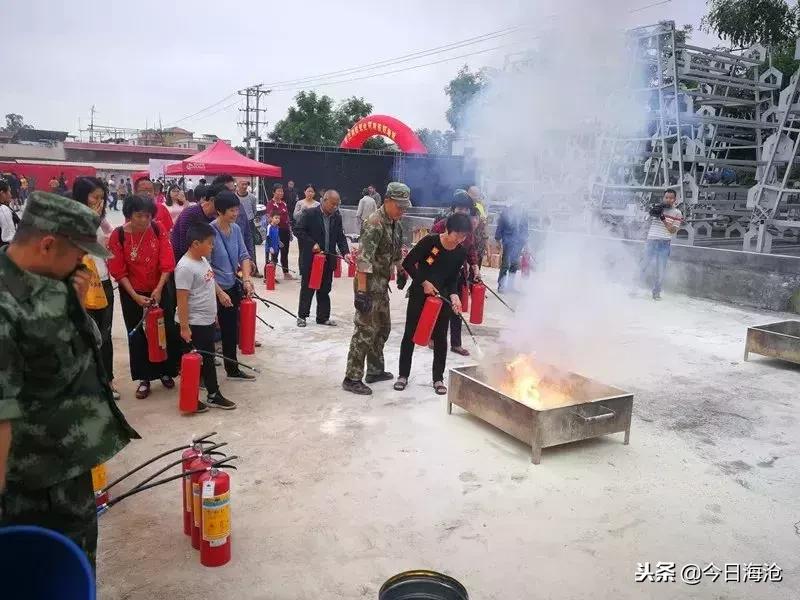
x,y
252,115
91,125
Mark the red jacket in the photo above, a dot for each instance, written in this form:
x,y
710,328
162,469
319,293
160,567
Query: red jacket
x,y
283,209
142,258
163,218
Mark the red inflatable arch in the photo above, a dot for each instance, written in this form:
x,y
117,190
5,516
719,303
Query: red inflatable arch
x,y
395,130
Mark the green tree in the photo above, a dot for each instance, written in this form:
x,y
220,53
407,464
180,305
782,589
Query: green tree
x,y
461,90
435,140
743,23
15,122
317,120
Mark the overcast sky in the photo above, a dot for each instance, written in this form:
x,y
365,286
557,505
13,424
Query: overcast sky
x,y
142,61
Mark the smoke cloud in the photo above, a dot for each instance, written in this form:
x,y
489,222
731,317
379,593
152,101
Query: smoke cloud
x,y
538,128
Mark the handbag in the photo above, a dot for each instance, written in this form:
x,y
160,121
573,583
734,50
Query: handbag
x,y
96,295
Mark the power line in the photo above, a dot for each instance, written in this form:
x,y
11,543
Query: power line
x,y
393,71
210,106
405,57
635,10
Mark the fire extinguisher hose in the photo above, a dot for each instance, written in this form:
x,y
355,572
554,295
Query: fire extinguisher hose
x,y
215,465
264,322
344,258
275,304
223,357
466,324
209,450
198,440
496,295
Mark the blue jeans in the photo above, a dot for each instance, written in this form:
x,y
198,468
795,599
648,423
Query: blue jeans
x,y
655,252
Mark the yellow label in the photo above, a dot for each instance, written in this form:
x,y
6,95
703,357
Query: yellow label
x,y
187,493
216,517
196,504
162,333
99,478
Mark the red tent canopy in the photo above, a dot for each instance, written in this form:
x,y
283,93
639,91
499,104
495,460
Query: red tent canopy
x,y
221,158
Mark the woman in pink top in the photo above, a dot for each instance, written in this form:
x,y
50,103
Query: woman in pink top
x,y
175,201
158,189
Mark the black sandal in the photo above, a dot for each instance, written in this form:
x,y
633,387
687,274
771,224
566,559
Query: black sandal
x,y
401,384
440,388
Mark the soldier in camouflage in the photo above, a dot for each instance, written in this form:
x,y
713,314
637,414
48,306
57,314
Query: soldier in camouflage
x,y
54,395
379,252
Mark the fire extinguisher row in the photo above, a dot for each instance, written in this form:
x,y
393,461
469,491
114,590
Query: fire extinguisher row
x,y
205,495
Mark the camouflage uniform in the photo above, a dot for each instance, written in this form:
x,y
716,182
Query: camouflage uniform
x,y
53,387
381,242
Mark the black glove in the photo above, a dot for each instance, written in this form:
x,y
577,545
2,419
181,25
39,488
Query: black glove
x,y
657,210
402,279
362,302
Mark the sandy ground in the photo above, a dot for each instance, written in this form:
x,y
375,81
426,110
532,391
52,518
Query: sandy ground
x,y
336,492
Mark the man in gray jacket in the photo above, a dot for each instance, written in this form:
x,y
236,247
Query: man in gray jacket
x,y
248,203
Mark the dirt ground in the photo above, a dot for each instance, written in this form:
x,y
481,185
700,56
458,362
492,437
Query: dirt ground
x,y
335,492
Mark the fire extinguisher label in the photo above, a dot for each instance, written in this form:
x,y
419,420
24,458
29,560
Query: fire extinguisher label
x,y
217,518
99,478
187,493
196,504
162,333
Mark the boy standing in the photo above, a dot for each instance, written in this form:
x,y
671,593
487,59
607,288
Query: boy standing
x,y
665,221
272,241
197,293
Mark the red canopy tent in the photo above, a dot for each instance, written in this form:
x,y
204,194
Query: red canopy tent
x,y
221,158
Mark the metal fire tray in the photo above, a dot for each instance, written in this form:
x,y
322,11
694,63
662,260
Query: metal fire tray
x,y
591,409
777,340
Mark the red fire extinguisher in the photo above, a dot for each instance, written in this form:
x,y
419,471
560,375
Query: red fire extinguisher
x,y
247,326
525,263
351,266
200,462
464,297
156,334
427,320
191,365
478,298
215,518
337,271
317,267
189,456
269,276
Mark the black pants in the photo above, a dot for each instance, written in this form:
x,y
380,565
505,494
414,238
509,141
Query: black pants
x,y
203,339
141,367
103,317
284,235
252,247
509,262
323,293
229,327
416,301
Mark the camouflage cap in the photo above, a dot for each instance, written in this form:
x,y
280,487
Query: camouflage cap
x,y
51,213
400,193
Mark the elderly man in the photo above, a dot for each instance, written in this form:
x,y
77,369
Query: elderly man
x,y
247,212
55,398
319,229
379,253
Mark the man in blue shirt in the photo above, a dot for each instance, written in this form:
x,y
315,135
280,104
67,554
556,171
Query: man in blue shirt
x,y
229,255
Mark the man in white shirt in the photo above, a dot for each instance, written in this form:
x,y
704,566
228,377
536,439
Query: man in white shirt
x,y
7,226
665,220
366,206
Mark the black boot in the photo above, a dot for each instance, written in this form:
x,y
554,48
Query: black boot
x,y
385,376
356,386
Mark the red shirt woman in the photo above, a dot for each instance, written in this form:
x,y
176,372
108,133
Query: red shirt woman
x,y
142,263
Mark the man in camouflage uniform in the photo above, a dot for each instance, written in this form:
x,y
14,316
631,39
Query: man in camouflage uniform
x,y
57,415
380,247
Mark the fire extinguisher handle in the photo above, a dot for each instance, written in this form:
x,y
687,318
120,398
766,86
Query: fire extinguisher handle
x,y
204,437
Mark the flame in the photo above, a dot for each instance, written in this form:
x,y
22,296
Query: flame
x,y
523,382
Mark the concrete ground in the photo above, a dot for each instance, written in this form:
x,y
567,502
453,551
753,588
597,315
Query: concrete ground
x,y
335,492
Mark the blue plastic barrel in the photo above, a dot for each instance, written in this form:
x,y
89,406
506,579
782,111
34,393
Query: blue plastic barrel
x,y
42,564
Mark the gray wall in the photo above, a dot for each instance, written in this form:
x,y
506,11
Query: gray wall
x,y
745,278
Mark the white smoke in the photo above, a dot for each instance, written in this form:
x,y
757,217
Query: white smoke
x,y
536,130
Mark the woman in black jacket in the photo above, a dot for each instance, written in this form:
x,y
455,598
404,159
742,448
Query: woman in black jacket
x,y
433,265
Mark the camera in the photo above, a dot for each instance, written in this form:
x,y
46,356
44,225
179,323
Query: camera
x,y
657,210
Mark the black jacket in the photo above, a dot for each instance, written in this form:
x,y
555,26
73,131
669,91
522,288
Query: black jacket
x,y
310,230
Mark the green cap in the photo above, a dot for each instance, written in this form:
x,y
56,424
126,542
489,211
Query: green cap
x,y
51,213
400,193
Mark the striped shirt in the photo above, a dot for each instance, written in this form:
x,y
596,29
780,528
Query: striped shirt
x,y
658,230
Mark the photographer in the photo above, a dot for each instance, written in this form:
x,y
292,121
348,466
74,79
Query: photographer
x,y
665,220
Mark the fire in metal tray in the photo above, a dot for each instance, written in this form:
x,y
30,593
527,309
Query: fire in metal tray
x,y
533,385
